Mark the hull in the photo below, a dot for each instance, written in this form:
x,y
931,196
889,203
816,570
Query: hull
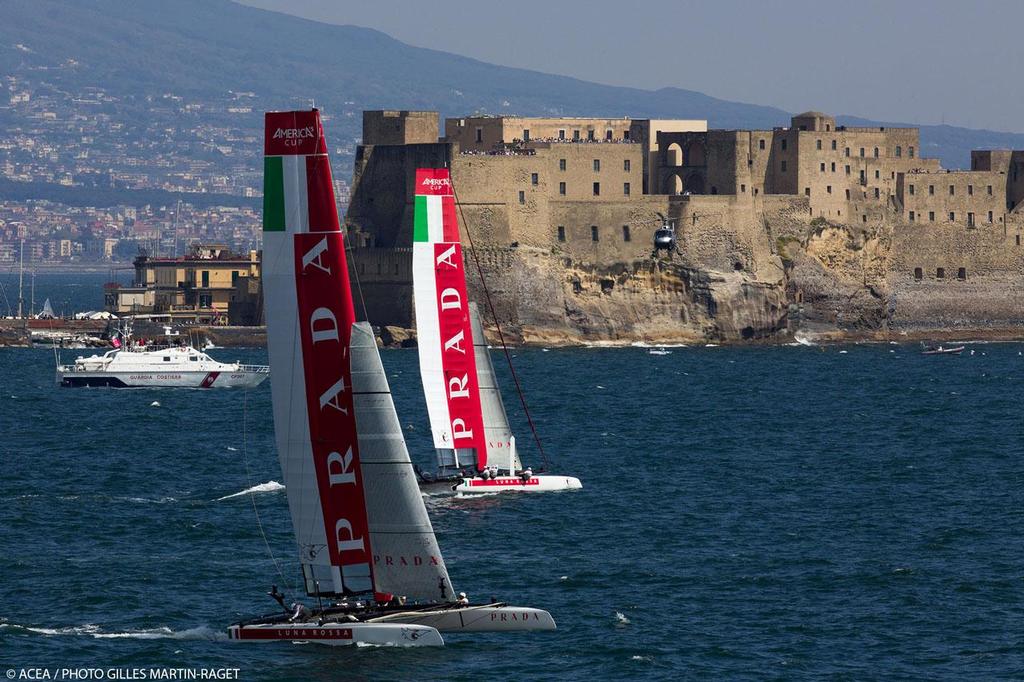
x,y
541,483
339,634
170,379
485,618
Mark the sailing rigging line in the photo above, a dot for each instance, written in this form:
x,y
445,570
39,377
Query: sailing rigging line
x,y
252,493
501,336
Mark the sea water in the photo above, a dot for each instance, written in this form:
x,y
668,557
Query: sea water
x,y
762,512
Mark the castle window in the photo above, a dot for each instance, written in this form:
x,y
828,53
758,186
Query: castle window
x,y
990,216
522,197
910,152
755,191
862,152
876,192
877,175
833,166
822,168
846,152
593,233
989,189
479,134
952,190
807,191
899,151
743,189
783,166
847,195
561,164
911,216
608,135
952,216
1018,240
829,189
597,189
590,135
625,233
576,136
534,179
911,189
931,216
625,134
940,273
961,273
918,273
760,144
864,218
876,152
625,188
561,134
526,134
783,144
561,188
561,233
625,165
970,190
863,177
847,169
819,145
931,190
833,145
597,165
970,219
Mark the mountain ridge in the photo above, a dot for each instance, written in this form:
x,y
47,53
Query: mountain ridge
x,y
206,48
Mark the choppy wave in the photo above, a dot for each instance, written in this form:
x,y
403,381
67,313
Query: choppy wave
x,y
620,619
90,630
268,487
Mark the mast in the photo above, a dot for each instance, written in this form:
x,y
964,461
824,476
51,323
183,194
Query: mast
x,y
21,276
444,333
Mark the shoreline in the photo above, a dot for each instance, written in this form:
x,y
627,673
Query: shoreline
x,y
14,334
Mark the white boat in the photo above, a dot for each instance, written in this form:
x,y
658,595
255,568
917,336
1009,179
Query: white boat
x,y
135,365
367,550
476,451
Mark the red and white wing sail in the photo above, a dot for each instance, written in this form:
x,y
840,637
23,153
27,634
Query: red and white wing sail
x,y
444,332
331,470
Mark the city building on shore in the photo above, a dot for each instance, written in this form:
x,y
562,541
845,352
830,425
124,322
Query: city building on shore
x,y
209,285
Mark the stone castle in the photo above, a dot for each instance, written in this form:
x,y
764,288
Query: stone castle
x,y
817,227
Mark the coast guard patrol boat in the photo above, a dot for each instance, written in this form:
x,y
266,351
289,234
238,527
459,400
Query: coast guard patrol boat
x,y
131,364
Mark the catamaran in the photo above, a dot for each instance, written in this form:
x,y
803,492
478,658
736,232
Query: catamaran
x,y
476,451
365,543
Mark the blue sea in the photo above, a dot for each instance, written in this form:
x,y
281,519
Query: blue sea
x,y
839,512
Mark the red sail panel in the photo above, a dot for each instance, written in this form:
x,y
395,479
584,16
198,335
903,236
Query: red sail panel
x,y
457,354
290,133
326,314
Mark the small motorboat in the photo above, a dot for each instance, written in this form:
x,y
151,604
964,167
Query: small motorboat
x,y
939,350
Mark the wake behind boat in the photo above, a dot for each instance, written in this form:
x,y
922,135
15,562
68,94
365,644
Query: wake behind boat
x,y
367,549
133,364
476,452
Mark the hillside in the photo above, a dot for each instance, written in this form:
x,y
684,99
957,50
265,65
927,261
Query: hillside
x,y
205,48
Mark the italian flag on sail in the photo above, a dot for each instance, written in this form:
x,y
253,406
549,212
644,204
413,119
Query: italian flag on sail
x,y
444,333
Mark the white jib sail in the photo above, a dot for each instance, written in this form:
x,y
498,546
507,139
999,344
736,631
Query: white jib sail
x,y
406,558
496,426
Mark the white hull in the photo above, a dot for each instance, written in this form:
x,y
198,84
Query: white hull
x,y
485,618
167,379
540,483
339,634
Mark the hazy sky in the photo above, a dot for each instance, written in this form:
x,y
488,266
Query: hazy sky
x,y
914,61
